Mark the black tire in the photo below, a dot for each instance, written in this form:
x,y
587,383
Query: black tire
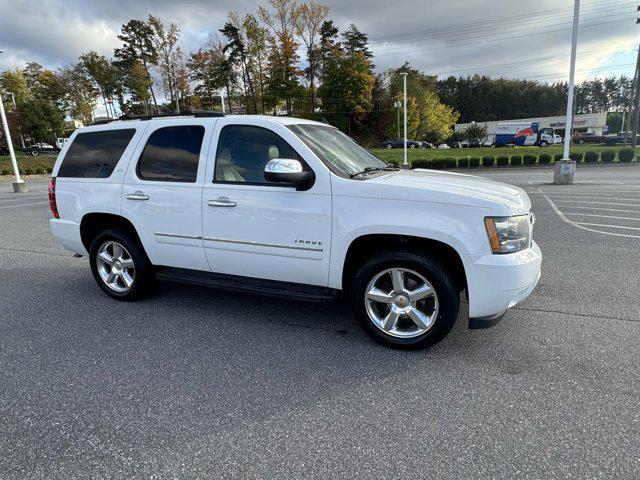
x,y
144,275
544,144
441,280
35,153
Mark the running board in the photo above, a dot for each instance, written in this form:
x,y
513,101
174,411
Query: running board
x,y
258,286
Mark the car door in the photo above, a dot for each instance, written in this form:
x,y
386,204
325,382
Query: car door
x,y
162,191
258,229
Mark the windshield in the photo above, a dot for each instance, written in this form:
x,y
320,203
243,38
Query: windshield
x,y
339,152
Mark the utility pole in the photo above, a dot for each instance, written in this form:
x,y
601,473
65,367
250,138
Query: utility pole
x,y
634,92
177,97
222,100
565,169
405,164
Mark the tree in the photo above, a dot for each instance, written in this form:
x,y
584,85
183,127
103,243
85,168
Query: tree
x,y
256,56
138,47
165,43
346,89
104,76
212,72
356,41
475,130
136,83
238,55
81,93
308,27
283,57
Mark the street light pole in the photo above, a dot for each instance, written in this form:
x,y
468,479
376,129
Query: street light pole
x,y
405,164
397,104
222,100
18,186
15,109
565,169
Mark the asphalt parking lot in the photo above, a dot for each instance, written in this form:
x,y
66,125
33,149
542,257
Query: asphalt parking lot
x,y
199,383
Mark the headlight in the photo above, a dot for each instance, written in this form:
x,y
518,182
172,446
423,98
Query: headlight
x,y
509,234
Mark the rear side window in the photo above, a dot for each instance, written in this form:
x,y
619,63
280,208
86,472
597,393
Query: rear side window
x,y
95,154
172,154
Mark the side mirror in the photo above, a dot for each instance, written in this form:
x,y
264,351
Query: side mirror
x,y
282,170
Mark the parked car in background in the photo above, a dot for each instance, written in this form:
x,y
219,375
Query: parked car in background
x,y
588,137
38,148
399,143
60,142
443,146
426,145
487,143
185,199
474,143
557,139
619,138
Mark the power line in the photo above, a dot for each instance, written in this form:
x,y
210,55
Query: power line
x,y
533,16
499,39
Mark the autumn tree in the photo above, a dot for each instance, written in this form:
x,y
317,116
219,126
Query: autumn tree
x,y
81,93
283,55
169,55
137,50
308,24
212,72
104,76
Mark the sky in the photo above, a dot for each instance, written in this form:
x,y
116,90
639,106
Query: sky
x,y
444,37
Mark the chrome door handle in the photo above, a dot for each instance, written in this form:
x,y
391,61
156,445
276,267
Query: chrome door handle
x,y
137,195
221,202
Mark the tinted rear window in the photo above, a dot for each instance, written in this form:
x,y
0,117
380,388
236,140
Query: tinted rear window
x,y
95,154
171,154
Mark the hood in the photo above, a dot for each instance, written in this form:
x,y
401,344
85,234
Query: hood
x,y
451,188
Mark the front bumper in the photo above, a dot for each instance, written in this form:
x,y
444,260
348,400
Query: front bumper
x,y
496,283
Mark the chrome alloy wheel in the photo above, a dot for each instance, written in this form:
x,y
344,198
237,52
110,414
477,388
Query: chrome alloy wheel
x,y
115,266
401,303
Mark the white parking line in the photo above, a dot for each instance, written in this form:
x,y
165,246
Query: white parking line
x,y
584,196
603,216
582,227
604,209
602,203
607,226
23,205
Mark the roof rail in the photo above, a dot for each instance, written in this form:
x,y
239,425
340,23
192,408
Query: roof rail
x,y
188,113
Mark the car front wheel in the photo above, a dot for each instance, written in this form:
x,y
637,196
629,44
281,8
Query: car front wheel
x,y
119,265
405,299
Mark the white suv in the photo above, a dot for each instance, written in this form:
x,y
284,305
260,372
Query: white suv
x,y
291,207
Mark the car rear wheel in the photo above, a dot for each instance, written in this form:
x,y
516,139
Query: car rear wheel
x,y
544,144
119,265
405,299
35,153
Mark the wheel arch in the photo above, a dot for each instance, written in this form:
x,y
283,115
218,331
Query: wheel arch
x,y
96,222
366,245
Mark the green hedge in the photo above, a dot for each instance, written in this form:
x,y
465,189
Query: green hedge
x,y
544,159
626,155
450,162
28,171
474,162
608,156
421,164
437,163
463,162
488,161
529,159
516,160
6,172
576,156
557,157
502,160
591,157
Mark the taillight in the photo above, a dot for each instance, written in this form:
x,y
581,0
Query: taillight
x,y
52,198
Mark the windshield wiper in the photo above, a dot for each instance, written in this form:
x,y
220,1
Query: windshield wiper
x,y
387,167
